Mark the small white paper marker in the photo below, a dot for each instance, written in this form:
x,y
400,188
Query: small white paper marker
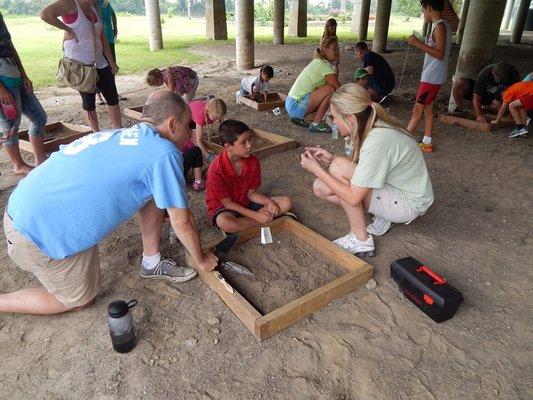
x,y
266,235
276,111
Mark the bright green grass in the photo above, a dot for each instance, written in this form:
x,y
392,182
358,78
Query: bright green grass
x,y
40,45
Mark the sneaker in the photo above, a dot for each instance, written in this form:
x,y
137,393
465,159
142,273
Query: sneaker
x,y
518,132
169,270
198,186
379,226
320,128
360,248
300,122
426,148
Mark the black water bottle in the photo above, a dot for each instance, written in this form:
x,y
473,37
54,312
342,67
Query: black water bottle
x,y
121,325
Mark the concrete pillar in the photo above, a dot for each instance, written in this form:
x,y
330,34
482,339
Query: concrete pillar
x,y
279,22
462,22
298,18
363,20
155,36
520,22
356,13
479,39
244,18
381,30
215,19
507,15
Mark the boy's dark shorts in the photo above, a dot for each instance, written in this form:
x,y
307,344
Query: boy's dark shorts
x,y
252,206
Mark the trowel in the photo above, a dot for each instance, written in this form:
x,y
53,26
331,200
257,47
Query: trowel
x,y
222,248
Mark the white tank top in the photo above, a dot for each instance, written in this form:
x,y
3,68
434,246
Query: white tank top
x,y
435,71
82,50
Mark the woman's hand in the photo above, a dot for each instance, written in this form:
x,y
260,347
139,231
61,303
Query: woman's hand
x,y
310,163
320,154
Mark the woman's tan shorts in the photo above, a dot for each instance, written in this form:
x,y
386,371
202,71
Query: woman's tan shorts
x,y
388,203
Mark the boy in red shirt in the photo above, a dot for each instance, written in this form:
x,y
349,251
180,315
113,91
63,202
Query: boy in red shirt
x,y
233,202
519,98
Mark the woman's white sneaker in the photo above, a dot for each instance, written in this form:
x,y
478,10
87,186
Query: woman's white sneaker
x,y
379,226
353,245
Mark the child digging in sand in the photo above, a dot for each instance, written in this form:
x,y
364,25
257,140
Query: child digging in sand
x,y
234,177
250,85
205,113
519,99
181,80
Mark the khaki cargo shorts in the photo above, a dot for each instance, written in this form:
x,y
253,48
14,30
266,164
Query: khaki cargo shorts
x,y
74,280
389,203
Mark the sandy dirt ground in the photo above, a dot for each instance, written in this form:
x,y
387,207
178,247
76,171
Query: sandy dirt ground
x,y
371,344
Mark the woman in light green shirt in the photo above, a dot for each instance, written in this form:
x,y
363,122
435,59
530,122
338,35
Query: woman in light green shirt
x,y
313,88
387,175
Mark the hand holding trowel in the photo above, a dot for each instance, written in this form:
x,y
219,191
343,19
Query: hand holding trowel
x,y
222,248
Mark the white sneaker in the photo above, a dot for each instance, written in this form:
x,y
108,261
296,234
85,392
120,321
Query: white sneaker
x,y
379,226
353,245
518,132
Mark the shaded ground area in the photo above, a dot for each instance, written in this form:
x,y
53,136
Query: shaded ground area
x,y
366,345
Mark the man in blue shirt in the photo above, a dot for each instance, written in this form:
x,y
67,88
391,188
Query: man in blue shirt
x,y
59,213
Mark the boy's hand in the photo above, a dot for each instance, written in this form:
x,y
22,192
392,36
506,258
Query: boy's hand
x,y
208,263
273,207
263,216
481,118
495,121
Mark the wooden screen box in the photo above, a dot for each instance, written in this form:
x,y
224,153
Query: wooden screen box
x,y
57,133
264,143
468,120
134,112
263,325
258,103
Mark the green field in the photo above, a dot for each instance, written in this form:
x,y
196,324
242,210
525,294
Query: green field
x,y
39,45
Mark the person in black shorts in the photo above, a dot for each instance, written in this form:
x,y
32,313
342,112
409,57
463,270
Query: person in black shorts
x,y
381,79
486,90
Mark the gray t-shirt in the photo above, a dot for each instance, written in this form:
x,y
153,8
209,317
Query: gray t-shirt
x,y
393,158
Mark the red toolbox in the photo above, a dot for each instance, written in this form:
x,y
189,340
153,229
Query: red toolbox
x,y
425,288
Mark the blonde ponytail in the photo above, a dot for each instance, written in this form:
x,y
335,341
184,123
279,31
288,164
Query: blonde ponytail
x,y
325,44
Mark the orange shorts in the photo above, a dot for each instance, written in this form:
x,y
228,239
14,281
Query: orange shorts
x,y
427,93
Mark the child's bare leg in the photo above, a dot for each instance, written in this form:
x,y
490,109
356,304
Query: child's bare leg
x,y
19,165
319,102
418,110
429,118
114,116
518,112
92,120
229,223
37,145
284,203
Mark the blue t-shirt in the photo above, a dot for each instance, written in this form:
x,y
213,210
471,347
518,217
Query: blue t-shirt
x,y
88,188
106,11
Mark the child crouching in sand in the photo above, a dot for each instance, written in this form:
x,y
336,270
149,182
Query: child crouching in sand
x,y
234,177
250,85
205,113
181,80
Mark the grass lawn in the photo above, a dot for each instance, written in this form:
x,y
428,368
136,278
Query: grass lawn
x,y
39,45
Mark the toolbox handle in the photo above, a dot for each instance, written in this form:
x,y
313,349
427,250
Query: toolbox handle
x,y
439,279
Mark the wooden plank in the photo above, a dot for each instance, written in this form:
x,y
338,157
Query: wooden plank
x,y
279,144
327,248
134,112
467,120
237,304
53,144
298,309
273,100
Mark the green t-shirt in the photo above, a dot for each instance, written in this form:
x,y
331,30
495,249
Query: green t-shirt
x,y
389,157
313,76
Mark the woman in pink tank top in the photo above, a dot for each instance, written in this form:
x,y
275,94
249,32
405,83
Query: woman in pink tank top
x,y
85,41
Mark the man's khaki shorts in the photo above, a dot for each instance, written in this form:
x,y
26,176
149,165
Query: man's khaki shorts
x,y
389,203
74,280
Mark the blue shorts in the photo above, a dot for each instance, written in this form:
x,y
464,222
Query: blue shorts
x,y
297,108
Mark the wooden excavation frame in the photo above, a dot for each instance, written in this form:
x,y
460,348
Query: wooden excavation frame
x,y
134,112
468,120
264,326
279,143
273,100
52,144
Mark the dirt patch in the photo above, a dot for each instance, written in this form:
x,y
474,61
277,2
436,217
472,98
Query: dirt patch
x,y
282,271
